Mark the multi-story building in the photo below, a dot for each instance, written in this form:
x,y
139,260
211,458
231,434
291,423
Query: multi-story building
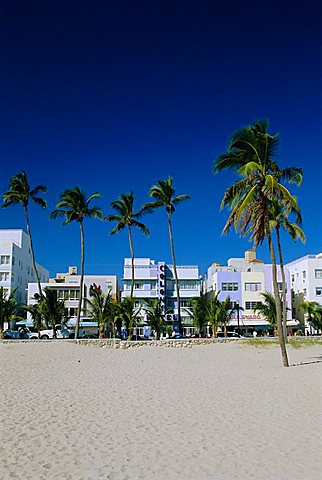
x,y
16,269
244,279
67,286
306,284
156,281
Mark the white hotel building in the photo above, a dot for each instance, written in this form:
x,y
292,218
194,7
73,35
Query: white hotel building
x,y
156,280
67,286
306,284
16,269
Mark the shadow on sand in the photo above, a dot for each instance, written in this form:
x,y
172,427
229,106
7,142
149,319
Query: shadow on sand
x,y
313,360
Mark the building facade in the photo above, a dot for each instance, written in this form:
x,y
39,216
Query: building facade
x,y
155,280
243,280
67,286
306,284
16,269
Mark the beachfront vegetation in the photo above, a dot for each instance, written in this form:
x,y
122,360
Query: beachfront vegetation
x,y
198,307
74,206
267,308
100,307
155,316
50,309
36,315
128,313
126,218
9,309
252,154
20,193
313,312
164,194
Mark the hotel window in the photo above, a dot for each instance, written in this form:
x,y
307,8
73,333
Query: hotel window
x,y
137,303
253,286
292,278
280,287
153,285
318,273
127,286
233,305
251,305
138,286
229,286
185,303
318,291
4,276
304,292
4,259
188,285
304,275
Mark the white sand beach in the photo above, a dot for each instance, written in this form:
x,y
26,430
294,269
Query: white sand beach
x,y
219,411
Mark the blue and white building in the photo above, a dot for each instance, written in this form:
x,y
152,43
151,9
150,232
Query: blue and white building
x,y
156,280
244,279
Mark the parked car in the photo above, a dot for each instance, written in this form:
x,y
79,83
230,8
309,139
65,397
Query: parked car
x,y
23,333
229,335
61,332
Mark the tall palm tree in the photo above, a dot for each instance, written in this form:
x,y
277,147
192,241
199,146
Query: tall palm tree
x,y
100,307
279,219
126,218
74,206
164,194
252,151
20,193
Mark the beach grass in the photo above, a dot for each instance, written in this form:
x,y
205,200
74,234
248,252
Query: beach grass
x,y
292,342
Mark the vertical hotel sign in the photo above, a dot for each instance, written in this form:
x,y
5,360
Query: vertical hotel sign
x,y
161,284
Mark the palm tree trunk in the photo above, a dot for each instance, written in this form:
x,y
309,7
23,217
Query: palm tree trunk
x,y
32,251
80,300
132,260
283,282
278,303
175,271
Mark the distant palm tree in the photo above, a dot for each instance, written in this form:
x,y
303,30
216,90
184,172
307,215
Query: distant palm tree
x,y
164,193
74,206
51,309
267,308
252,152
313,311
129,314
126,218
36,315
9,309
156,316
20,192
226,312
198,307
100,307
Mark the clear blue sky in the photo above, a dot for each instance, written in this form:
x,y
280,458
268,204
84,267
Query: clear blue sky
x,y
114,95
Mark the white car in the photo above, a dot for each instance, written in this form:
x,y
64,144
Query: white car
x,y
61,332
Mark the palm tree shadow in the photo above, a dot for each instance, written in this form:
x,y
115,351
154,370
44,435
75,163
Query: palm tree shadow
x,y
313,360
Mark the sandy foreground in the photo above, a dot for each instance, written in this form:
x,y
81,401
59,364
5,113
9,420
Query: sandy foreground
x,y
219,411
